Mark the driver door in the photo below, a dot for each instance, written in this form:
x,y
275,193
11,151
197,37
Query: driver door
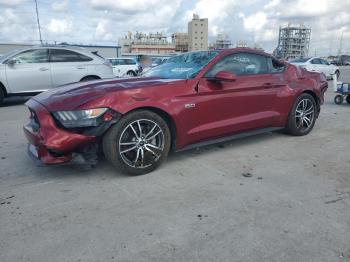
x,y
228,107
30,72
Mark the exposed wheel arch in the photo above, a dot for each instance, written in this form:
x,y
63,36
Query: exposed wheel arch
x,y
90,77
317,100
168,119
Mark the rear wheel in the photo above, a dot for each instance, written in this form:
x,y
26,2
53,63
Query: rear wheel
x,y
302,117
338,99
2,95
347,99
131,73
89,78
138,143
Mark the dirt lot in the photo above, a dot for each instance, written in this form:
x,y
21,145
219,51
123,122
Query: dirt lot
x,y
196,207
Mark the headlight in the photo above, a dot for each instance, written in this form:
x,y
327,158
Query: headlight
x,y
80,118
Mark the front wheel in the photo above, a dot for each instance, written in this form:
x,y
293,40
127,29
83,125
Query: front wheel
x,y
138,143
338,99
302,116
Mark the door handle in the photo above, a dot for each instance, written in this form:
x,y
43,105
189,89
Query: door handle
x,y
80,67
43,69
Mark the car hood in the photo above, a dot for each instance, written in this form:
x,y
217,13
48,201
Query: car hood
x,y
73,96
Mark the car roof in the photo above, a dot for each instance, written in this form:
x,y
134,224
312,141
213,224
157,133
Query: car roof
x,y
121,58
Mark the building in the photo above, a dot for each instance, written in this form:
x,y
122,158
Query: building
x,y
198,33
180,40
103,50
242,44
222,42
293,42
141,43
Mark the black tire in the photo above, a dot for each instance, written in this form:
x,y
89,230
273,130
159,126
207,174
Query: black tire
x,y
338,99
89,78
131,73
337,73
2,95
144,158
347,99
301,119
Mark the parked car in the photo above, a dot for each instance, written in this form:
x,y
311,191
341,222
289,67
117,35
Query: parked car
x,y
316,64
124,66
193,99
41,68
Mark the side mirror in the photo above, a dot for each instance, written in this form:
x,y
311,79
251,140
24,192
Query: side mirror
x,y
11,62
225,76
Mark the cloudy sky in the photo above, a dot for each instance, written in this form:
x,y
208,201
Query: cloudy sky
x,y
105,21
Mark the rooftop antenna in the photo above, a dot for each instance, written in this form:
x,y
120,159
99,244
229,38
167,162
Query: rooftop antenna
x,y
38,21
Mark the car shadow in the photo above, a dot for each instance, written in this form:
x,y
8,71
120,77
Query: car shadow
x,y
105,170
14,101
211,149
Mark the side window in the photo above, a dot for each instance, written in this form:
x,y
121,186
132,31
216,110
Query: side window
x,y
114,62
324,62
62,55
120,62
32,56
316,61
241,64
275,65
130,62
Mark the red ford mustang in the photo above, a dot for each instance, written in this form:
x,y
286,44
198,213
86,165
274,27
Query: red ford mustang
x,y
192,100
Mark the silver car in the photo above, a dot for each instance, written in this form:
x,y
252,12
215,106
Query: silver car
x,y
38,69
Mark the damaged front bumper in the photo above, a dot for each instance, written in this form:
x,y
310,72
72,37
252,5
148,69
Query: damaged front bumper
x,y
49,144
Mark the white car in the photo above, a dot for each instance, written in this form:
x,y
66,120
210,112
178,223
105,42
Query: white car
x,y
37,69
316,64
124,66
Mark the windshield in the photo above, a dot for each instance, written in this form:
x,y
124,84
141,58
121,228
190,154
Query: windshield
x,y
183,66
299,60
8,55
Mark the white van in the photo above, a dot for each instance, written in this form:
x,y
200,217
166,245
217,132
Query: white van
x,y
124,66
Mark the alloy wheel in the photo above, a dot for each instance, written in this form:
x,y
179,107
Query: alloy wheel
x,y
141,143
304,114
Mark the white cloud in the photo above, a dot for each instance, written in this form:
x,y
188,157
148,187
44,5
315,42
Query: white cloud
x,y
11,3
103,30
102,21
60,6
254,22
60,26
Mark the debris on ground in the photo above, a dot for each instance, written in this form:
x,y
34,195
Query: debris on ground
x,y
247,174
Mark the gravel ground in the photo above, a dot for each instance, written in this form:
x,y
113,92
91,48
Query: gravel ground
x,y
292,206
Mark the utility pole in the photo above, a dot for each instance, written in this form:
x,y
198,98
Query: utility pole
x,y
38,21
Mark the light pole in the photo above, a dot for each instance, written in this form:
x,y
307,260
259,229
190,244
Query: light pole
x,y
38,21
